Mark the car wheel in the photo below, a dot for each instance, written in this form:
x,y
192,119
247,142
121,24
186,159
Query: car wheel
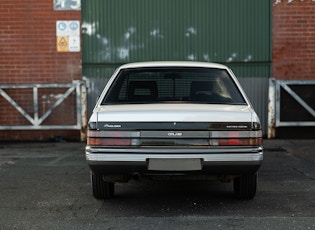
x,y
101,189
245,186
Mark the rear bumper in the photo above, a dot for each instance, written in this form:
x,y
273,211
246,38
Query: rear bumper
x,y
217,161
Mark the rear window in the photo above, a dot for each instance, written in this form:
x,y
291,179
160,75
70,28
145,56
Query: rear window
x,y
178,85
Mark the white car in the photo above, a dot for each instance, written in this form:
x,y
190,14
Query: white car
x,y
174,120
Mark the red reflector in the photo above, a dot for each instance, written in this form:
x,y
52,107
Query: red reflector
x,y
108,142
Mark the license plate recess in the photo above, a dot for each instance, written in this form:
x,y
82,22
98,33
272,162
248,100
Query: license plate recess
x,y
190,164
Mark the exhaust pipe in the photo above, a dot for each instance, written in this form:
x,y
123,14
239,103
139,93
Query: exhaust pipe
x,y
136,176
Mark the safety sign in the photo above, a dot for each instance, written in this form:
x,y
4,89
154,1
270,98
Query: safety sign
x,y
74,44
62,28
74,28
62,44
68,36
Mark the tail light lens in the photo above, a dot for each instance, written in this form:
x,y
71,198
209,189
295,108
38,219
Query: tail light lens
x,y
236,138
215,138
240,142
108,142
112,138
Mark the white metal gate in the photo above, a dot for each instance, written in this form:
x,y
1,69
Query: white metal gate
x,y
302,104
35,119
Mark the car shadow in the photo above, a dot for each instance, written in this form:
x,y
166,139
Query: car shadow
x,y
172,198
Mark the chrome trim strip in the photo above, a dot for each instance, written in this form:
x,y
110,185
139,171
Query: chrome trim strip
x,y
244,157
144,150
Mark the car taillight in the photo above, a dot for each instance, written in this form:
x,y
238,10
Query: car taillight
x,y
236,138
112,138
213,138
108,142
243,142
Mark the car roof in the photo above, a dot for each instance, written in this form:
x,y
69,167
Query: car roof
x,y
173,64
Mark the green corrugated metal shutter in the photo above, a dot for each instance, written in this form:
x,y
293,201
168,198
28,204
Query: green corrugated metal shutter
x,y
224,31
232,32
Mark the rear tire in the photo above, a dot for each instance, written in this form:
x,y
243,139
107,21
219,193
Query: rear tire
x,y
101,189
245,186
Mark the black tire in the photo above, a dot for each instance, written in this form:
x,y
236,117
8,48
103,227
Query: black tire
x,y
245,186
101,189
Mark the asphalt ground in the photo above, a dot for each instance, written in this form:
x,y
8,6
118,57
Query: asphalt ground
x,y
47,186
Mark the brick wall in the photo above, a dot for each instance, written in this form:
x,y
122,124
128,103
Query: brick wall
x,y
28,54
294,39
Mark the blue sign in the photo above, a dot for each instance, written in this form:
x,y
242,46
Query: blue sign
x,y
62,26
74,26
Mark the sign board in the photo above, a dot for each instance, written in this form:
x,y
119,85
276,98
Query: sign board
x,y
67,4
62,28
63,44
74,28
74,44
68,36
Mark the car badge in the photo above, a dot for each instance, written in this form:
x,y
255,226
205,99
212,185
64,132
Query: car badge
x,y
112,126
174,134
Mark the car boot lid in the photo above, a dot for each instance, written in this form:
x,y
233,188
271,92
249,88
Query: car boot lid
x,y
174,112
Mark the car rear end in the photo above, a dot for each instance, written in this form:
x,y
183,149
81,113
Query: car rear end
x,y
174,133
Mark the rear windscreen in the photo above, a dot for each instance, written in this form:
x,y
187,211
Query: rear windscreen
x,y
173,85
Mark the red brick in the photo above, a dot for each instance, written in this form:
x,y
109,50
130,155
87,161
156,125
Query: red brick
x,y
29,55
293,40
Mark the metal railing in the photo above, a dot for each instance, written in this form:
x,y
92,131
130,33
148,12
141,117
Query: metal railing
x,y
36,120
287,86
290,105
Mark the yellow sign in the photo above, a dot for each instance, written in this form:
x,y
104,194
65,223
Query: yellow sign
x,y
63,44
